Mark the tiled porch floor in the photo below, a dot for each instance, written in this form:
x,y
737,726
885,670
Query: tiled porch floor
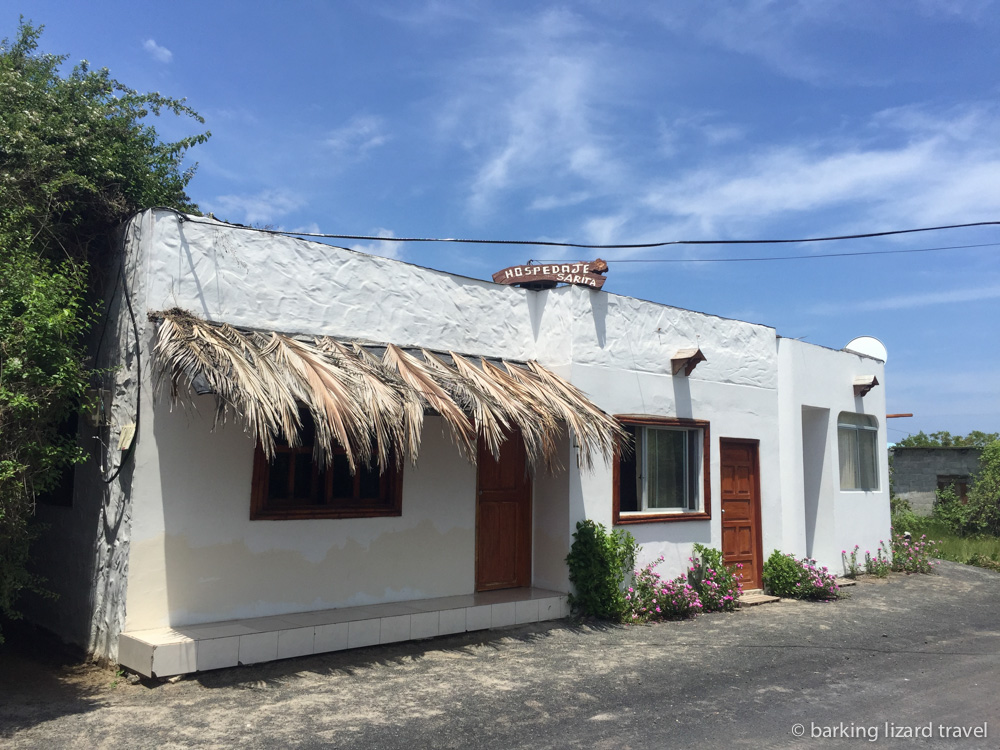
x,y
194,648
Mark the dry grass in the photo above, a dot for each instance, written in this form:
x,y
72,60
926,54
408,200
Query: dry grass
x,y
374,408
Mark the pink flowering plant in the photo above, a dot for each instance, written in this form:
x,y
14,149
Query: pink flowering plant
x,y
787,576
718,587
650,597
903,555
912,555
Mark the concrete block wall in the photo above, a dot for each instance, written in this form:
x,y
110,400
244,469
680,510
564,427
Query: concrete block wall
x,y
915,472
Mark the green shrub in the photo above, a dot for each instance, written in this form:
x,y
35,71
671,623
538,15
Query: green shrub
x,y
982,561
980,514
786,576
952,512
718,587
984,494
598,565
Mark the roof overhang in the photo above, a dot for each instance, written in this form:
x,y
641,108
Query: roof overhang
x,y
863,384
370,398
686,360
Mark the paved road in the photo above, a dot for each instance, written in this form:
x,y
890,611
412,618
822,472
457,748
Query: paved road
x,y
917,652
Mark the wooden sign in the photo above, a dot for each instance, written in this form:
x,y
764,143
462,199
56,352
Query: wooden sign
x,y
547,276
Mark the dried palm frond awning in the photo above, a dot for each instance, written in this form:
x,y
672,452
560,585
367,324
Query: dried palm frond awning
x,y
370,399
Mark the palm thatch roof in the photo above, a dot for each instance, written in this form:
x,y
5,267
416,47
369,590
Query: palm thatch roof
x,y
370,399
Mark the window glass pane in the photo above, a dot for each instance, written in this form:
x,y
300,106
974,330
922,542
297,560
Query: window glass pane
x,y
343,482
694,461
666,464
277,479
371,483
847,447
867,460
303,476
628,470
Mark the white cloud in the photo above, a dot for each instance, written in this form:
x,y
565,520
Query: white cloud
x,y
260,208
697,128
941,169
910,301
158,53
529,111
385,248
359,135
550,202
782,35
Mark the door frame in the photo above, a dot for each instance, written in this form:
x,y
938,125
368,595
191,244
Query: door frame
x,y
758,520
526,567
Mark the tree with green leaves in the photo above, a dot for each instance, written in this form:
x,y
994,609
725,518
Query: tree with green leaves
x,y
77,157
975,439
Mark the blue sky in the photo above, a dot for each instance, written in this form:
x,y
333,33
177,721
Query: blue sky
x,y
605,122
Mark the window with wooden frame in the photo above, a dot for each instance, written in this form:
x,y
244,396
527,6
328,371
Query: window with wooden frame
x,y
666,477
293,485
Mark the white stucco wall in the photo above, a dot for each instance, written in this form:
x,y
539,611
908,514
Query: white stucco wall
x,y
816,384
197,557
621,358
194,556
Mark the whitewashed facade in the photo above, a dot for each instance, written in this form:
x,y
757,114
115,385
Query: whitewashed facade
x,y
169,542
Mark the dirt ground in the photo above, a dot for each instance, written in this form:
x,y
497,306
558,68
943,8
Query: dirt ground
x,y
913,653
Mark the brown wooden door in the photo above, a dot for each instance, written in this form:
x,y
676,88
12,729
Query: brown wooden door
x,y
503,518
740,468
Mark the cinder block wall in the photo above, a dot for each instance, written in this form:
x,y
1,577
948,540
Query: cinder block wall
x,y
915,472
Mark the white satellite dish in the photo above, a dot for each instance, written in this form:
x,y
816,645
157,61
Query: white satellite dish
x,y
867,345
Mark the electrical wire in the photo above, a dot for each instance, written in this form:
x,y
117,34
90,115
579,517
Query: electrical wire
x,y
138,369
777,257
550,243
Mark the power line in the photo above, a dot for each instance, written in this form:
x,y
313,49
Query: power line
x,y
637,246
782,257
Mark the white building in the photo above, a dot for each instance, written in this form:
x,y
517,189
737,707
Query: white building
x,y
187,549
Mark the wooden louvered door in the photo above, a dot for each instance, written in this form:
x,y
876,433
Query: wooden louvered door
x,y
503,518
741,537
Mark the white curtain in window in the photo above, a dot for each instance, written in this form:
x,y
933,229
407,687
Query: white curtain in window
x,y
857,444
847,445
666,464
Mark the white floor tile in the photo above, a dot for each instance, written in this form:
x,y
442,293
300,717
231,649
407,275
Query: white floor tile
x,y
425,625
218,653
174,658
295,642
478,618
363,633
502,615
332,637
258,647
525,612
394,629
453,621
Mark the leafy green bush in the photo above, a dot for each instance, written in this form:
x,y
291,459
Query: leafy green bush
x,y
984,494
980,514
77,157
786,576
598,565
718,587
983,561
952,512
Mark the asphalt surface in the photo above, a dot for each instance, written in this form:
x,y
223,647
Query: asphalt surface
x,y
892,662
